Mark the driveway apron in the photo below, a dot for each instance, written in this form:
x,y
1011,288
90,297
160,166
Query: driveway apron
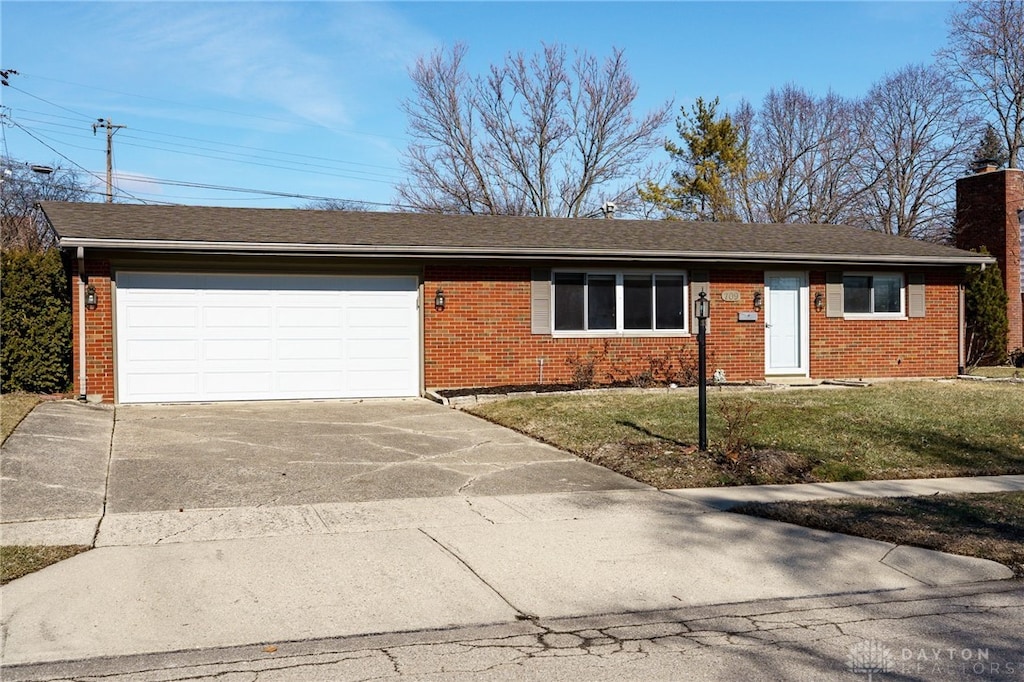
x,y
171,457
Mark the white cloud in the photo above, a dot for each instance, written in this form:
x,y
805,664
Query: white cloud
x,y
243,54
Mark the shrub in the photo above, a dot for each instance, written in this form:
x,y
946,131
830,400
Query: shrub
x,y
35,322
985,303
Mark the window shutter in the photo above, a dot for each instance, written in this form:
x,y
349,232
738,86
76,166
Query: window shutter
x,y
540,301
915,295
833,294
700,280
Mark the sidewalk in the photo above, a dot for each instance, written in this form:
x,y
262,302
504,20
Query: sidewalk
x,y
729,497
399,566
240,576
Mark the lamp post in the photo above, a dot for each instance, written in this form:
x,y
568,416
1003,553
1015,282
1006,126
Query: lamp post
x,y
702,309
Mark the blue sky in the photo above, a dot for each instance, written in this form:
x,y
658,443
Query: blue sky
x,y
304,97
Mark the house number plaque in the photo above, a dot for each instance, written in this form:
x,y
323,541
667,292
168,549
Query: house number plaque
x,y
731,296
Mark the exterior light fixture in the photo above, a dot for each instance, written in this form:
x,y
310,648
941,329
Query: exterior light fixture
x,y
819,302
91,299
439,300
702,306
758,300
702,310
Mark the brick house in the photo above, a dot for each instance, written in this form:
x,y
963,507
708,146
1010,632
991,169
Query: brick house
x,y
186,303
990,213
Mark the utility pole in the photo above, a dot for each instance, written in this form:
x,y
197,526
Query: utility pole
x,y
111,129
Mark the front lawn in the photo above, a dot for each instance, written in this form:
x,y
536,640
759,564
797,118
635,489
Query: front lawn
x,y
13,408
890,430
980,525
20,560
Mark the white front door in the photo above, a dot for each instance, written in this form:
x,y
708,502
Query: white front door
x,y
786,323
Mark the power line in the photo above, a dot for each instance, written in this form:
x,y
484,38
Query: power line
x,y
294,166
198,107
66,158
202,141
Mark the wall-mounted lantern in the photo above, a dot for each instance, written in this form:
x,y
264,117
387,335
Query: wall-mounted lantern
x,y
758,300
91,298
819,302
439,301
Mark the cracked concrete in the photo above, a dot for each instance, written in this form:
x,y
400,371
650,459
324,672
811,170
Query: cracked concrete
x,y
169,457
915,631
518,561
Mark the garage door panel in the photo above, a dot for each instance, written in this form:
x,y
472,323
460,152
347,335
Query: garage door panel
x,y
149,385
160,350
225,317
378,350
320,383
329,348
241,350
252,337
161,316
236,383
310,316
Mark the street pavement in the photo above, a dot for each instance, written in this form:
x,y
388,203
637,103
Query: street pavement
x,y
967,632
422,585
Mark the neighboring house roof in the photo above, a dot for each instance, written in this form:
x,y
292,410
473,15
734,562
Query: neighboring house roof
x,y
251,230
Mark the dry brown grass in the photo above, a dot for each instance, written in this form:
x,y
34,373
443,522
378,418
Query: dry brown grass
x,y
921,429
20,560
987,525
13,408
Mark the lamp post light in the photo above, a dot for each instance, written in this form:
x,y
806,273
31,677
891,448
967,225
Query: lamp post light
x,y
702,309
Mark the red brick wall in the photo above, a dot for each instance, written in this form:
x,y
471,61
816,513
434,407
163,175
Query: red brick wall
x,y
986,215
915,347
99,331
483,337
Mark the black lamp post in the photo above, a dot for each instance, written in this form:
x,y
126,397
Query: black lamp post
x,y
702,309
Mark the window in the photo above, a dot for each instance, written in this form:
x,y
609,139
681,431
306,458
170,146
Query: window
x,y
874,294
620,302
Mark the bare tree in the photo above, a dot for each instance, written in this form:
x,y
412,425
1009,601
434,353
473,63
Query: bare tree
x,y
538,136
334,205
800,157
986,52
922,133
21,187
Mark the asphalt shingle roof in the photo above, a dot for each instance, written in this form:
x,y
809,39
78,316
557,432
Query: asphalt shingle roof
x,y
202,228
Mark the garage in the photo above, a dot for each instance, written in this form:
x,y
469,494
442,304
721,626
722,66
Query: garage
x,y
212,337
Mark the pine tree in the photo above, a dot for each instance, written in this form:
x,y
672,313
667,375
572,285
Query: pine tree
x,y
712,157
985,303
991,147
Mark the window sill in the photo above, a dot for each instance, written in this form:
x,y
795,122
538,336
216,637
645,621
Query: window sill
x,y
875,316
614,334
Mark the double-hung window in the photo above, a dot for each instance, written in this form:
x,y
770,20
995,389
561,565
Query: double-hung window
x,y
629,303
875,294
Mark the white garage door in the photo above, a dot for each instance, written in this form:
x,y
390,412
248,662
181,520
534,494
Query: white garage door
x,y
263,337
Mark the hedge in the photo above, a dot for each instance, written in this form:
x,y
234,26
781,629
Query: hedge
x,y
35,322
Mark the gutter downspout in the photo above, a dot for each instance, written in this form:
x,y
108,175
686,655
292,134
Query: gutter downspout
x,y
81,324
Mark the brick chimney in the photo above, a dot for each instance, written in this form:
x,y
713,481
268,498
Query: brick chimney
x,y
989,210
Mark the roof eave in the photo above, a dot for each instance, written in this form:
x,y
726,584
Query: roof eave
x,y
392,251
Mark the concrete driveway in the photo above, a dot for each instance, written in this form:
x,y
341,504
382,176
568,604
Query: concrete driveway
x,y
170,457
